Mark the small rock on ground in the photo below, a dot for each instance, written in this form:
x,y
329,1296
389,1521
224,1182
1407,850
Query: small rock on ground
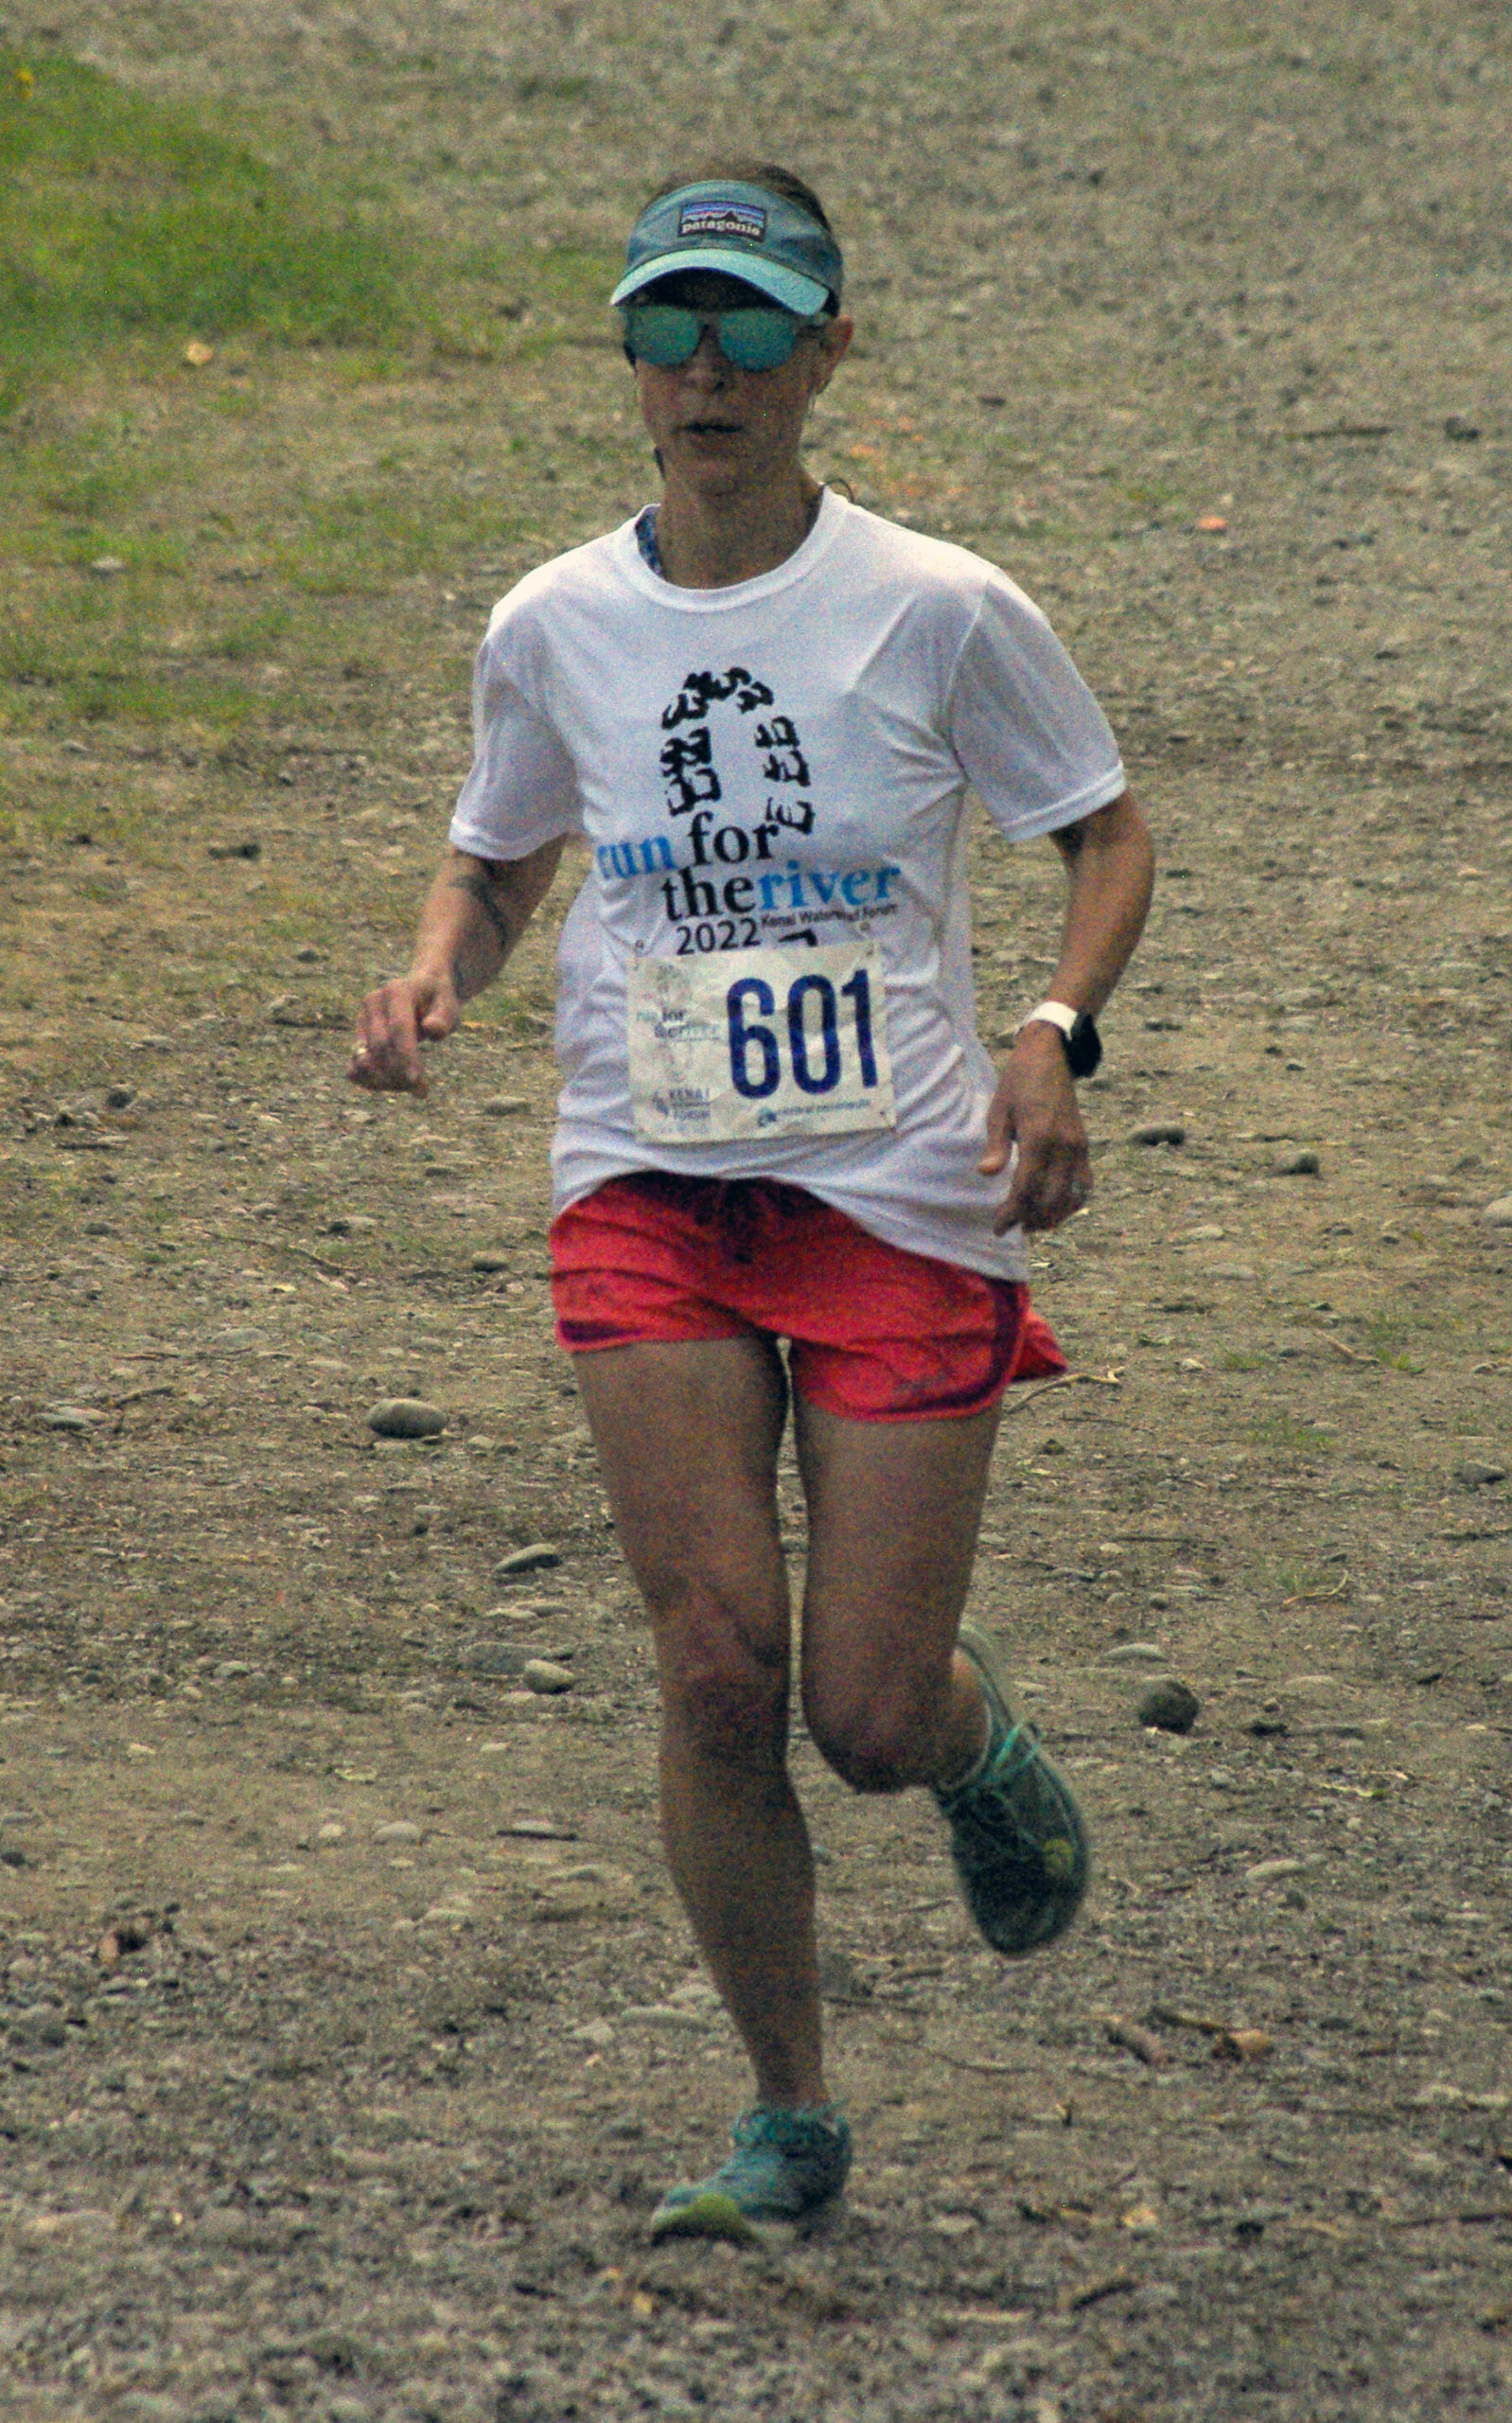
x,y
543,1675
529,1560
1500,1213
1159,1131
1296,1165
1170,1706
493,1657
406,1418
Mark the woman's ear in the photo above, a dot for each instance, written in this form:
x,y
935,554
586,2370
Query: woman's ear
x,y
834,338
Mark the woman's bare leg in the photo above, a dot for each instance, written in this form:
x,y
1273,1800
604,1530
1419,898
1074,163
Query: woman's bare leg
x,y
687,1438
893,1514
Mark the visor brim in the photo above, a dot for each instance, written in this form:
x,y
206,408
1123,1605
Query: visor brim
x,y
789,287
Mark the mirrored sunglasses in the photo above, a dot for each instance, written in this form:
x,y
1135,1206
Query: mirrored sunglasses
x,y
759,336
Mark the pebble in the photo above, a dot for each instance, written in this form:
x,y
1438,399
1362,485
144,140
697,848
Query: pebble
x,y
399,1829
406,1418
70,1417
596,2032
586,1892
1159,1131
1170,1707
1479,1476
1268,1871
840,1981
1500,1213
490,1658
349,1224
1132,1651
504,1106
1296,1165
108,565
544,1676
534,1559
229,1668
491,1260
35,2028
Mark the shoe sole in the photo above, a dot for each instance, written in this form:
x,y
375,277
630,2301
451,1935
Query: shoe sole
x,y
717,2216
710,2216
982,1655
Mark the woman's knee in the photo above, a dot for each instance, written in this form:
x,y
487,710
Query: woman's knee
x,y
723,1696
880,1741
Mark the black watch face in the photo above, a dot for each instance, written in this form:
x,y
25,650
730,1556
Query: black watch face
x,y
1083,1045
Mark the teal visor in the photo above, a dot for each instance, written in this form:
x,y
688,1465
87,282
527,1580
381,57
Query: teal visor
x,y
757,336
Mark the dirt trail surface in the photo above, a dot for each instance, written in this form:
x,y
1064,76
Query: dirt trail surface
x,y
349,2024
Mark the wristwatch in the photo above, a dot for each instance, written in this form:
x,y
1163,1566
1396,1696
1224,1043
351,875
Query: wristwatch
x,y
1077,1032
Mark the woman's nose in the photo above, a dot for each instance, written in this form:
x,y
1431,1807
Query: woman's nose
x,y
706,358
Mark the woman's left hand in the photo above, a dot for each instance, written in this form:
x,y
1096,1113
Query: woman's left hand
x,y
1034,1108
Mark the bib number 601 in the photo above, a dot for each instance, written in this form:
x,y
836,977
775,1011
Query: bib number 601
x,y
812,1027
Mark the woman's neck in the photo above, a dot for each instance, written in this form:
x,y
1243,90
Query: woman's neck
x,y
714,541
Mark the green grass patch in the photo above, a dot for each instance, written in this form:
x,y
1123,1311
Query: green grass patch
x,y
253,638
1386,1335
358,543
120,213
1284,1433
133,484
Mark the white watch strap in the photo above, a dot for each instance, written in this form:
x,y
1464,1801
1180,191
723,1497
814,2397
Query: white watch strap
x,y
1052,1014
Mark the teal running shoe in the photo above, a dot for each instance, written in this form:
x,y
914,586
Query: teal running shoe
x,y
787,2166
1017,1836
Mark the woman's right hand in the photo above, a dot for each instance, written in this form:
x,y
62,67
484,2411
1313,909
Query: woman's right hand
x,y
390,1027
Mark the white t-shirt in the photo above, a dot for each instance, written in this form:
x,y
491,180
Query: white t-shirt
x,y
782,762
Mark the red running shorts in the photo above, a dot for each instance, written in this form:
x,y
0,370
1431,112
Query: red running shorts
x,y
875,1333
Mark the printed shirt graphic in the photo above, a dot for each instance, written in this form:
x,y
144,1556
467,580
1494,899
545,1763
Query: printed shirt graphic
x,y
784,765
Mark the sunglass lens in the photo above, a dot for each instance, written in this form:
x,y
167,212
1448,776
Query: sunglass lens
x,y
757,339
662,334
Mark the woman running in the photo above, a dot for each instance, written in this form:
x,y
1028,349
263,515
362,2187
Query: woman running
x,y
761,707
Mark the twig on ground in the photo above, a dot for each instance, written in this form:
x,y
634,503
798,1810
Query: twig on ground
x,y
1018,1398
1137,2041
1329,1597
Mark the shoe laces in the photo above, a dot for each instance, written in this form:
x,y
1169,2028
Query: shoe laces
x,y
773,2127
1013,1759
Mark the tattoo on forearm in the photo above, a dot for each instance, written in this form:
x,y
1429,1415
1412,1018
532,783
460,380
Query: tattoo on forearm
x,y
478,888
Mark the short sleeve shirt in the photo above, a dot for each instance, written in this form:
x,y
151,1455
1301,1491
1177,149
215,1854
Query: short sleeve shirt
x,y
779,763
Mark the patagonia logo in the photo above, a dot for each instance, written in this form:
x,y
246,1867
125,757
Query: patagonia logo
x,y
741,219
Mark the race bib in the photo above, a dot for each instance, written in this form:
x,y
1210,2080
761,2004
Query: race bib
x,y
760,1042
